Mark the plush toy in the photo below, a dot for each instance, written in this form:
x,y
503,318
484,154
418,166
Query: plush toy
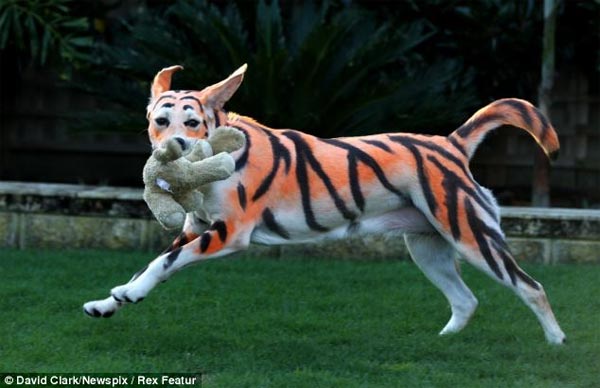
x,y
173,177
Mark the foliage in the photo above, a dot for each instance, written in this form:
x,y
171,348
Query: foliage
x,y
489,36
42,28
327,69
500,42
295,322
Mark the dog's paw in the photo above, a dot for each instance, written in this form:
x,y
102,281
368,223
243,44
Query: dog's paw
x,y
102,308
128,293
556,338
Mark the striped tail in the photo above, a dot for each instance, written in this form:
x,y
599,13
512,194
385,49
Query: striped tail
x,y
507,111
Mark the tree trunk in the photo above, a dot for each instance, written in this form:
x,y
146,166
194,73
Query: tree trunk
x,y
540,195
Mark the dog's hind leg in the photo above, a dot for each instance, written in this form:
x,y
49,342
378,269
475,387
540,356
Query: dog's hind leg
x,y
472,226
435,257
497,261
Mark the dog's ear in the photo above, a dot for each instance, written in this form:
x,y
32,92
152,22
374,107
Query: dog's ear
x,y
162,80
215,96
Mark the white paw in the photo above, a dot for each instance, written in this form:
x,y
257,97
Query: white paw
x,y
129,292
102,308
454,325
460,317
557,338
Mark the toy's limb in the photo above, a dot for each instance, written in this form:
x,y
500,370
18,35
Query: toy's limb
x,y
182,175
167,212
181,178
213,169
226,139
201,150
190,200
170,151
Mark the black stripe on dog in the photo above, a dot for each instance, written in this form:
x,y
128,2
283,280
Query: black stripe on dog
x,y
522,109
170,259
478,228
221,228
205,241
279,152
457,145
180,241
367,159
162,98
193,99
303,148
273,225
138,273
303,183
357,195
243,159
469,127
378,144
241,191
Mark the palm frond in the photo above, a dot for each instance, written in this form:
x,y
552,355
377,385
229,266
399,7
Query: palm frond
x,y
330,70
38,28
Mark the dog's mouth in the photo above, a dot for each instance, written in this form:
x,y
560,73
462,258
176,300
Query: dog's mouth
x,y
186,144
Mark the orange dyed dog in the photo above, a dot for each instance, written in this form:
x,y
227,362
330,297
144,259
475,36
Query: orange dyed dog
x,y
290,187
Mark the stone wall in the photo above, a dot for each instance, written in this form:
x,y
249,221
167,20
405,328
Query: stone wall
x,y
72,216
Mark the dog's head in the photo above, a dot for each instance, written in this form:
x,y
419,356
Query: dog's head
x,y
186,115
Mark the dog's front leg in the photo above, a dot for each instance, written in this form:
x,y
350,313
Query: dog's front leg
x,y
218,240
192,245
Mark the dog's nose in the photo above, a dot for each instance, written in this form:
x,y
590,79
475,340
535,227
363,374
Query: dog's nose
x,y
182,143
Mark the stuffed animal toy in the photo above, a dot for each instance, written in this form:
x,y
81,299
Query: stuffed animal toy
x,y
172,177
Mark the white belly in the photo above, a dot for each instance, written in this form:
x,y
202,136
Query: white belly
x,y
403,220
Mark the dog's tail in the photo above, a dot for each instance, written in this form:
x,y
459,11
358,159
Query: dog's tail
x,y
508,111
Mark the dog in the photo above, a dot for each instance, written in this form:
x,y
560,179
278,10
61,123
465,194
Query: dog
x,y
291,187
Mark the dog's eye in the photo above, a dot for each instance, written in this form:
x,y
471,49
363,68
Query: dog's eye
x,y
192,123
161,122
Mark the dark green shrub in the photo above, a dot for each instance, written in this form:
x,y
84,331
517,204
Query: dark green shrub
x,y
39,29
328,69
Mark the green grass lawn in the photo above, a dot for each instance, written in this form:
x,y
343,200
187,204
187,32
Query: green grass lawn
x,y
297,322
